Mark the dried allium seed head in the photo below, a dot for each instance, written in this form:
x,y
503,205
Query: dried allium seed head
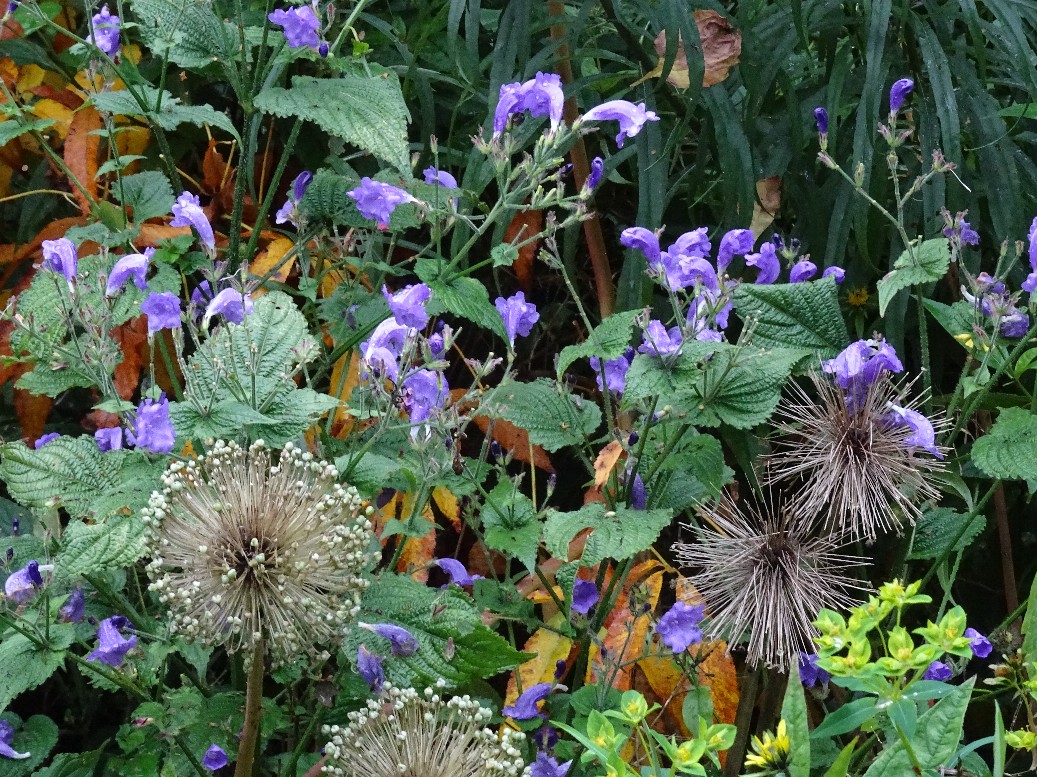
x,y
246,548
764,574
858,471
403,733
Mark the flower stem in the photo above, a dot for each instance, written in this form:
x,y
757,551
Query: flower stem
x,y
253,710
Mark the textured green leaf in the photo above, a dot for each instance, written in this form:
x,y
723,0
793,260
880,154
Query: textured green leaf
x,y
955,319
26,666
9,130
1029,628
467,298
929,263
649,376
89,548
36,736
936,528
444,622
690,475
741,386
367,111
70,471
194,35
617,534
510,523
149,194
171,114
552,419
794,713
1009,450
795,315
608,340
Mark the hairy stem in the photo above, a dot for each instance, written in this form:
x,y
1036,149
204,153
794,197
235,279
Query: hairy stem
x,y
253,710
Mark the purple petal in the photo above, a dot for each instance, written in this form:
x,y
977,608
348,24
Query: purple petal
x,y
457,571
525,707
163,311
678,628
803,270
937,671
187,212
231,304
980,645
585,596
631,117
821,117
369,667
898,93
214,758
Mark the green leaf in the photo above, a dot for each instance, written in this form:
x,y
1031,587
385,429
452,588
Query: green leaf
x,y
926,262
9,130
841,765
617,534
149,194
849,716
454,644
794,713
464,297
802,316
89,548
171,114
36,736
26,665
69,470
194,36
691,474
552,419
608,340
956,319
1009,450
936,528
1029,627
504,255
742,386
367,111
511,524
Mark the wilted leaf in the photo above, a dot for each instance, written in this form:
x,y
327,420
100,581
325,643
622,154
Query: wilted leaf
x,y
626,629
514,440
768,194
81,155
549,647
678,75
606,462
270,258
721,46
132,338
32,411
345,376
525,224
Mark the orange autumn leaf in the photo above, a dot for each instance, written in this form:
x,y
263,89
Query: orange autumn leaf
x,y
345,376
448,505
32,411
721,46
515,440
216,173
418,552
151,234
626,628
81,155
271,257
549,647
606,461
719,673
524,224
768,195
132,338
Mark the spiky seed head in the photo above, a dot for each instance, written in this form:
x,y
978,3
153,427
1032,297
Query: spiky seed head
x,y
765,576
247,546
404,733
852,466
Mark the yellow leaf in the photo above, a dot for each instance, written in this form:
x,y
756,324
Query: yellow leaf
x,y
448,505
345,376
549,647
267,260
52,109
606,461
29,77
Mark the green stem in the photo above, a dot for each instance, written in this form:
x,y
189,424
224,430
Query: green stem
x,y
244,159
965,524
271,191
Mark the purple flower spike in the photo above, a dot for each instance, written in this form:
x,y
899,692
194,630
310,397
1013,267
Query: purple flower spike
x,y
61,256
643,240
231,304
525,706
49,437
104,32
631,117
301,25
215,758
679,627
6,738
835,272
898,93
737,242
187,212
21,586
163,311
821,117
112,647
862,363
442,178
369,667
519,315
377,201
130,266
109,439
980,645
74,607
547,766
402,642
803,270
810,674
767,262
408,304
152,429
541,96
457,572
660,342
585,596
594,177
937,671
638,494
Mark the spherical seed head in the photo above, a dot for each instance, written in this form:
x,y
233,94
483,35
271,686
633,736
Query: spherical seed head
x,y
766,576
404,733
250,546
854,466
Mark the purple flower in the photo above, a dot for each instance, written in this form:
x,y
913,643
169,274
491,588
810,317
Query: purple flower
x,y
73,608
408,304
615,371
152,429
435,177
810,674
660,342
290,210
384,347
48,437
300,24
803,270
585,596
821,117
862,363
457,572
631,117
547,766
541,96
594,177
694,243
104,32
163,311
519,315
525,706
187,212
643,240
1030,284
21,585
369,667
937,671
1014,324
737,242
130,266
60,256
961,231
109,439
679,627
112,646
638,494
376,200
980,645
835,272
214,758
922,433
402,642
899,92
424,392
767,262
232,304
6,738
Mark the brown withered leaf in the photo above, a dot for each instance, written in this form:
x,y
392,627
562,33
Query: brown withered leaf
x,y
721,45
767,206
82,155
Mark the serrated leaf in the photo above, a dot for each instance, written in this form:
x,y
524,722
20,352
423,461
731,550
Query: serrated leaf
x,y
69,470
442,620
9,130
367,111
510,523
171,114
741,386
936,528
608,340
616,534
467,298
194,36
552,419
36,736
89,548
504,255
26,665
927,262
1009,450
794,713
149,194
796,315
690,475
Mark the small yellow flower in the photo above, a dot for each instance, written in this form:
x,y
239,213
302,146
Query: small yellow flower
x,y
770,754
857,298
966,340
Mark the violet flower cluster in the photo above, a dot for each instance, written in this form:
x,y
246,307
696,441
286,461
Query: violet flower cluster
x,y
301,27
377,201
104,31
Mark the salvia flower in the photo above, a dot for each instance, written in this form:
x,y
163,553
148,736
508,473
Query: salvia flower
x,y
109,439
382,350
638,493
289,212
923,435
44,439
458,573
860,365
408,304
898,93
644,240
679,628
163,311
596,171
585,596
658,341
377,201
937,670
767,262
215,758
525,706
442,178
152,430
801,271
301,25
615,371
821,118
230,303
548,766
404,732
73,609
810,674
519,315
250,547
187,212
540,96
631,118
401,642
104,31
838,273
112,646
980,645
369,667
737,242
22,585
61,256
130,266
6,740
764,576
1030,284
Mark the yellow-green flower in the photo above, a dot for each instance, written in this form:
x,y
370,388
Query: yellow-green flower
x,y
770,754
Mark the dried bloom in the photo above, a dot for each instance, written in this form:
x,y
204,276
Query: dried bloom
x,y
585,596
541,96
152,430
6,739
104,31
61,256
369,667
112,646
109,439
74,607
803,270
519,315
376,200
187,212
404,733
810,674
232,304
248,547
300,24
525,706
821,117
44,439
679,627
938,670
631,117
215,758
408,304
979,644
163,311
764,575
857,466
898,93
130,266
